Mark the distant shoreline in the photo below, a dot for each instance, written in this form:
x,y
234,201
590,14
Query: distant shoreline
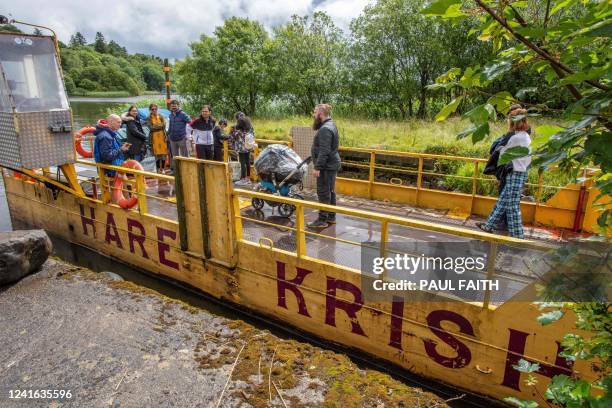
x,y
122,99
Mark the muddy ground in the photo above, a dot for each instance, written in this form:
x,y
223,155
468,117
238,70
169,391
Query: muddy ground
x,y
115,344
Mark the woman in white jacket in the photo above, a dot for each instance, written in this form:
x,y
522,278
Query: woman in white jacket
x,y
508,205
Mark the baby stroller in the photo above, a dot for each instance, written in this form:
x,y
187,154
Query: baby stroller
x,y
281,171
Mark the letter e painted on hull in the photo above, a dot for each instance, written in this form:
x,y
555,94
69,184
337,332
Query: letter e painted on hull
x,y
162,247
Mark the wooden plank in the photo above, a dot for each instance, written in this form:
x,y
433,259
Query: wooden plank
x,y
180,202
203,210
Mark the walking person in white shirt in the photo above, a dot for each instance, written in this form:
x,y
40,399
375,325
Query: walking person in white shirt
x,y
508,205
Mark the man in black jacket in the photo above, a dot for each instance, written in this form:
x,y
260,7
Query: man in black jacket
x,y
324,152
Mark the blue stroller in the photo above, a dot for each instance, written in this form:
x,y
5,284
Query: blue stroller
x,y
272,183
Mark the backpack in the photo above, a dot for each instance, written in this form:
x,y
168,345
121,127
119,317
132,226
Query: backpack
x,y
249,141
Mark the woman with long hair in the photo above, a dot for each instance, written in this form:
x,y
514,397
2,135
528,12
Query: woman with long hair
x,y
508,205
157,137
135,135
243,139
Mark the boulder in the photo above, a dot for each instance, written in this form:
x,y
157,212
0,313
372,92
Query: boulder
x,y
21,253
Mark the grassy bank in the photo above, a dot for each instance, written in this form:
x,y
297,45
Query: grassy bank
x,y
411,135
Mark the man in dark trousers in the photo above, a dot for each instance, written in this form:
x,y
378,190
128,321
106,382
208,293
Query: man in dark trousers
x,y
326,160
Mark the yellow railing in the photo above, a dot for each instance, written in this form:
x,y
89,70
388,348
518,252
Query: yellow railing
x,y
384,221
137,186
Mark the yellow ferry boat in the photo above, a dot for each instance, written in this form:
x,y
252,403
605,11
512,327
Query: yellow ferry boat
x,y
196,228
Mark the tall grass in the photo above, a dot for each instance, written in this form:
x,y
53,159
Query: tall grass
x,y
410,135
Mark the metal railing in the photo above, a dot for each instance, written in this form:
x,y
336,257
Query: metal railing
x,y
103,187
384,222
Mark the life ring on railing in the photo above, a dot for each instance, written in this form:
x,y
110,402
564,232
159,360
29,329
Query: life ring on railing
x,y
117,194
78,138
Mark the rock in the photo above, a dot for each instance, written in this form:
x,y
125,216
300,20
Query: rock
x,y
111,275
21,253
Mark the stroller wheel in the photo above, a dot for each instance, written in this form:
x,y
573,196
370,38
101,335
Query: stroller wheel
x,y
286,210
257,203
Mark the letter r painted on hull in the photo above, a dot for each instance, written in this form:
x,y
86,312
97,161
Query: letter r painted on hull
x,y
516,351
282,285
139,237
351,308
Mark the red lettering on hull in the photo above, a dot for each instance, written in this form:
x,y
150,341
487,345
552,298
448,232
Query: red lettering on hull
x,y
162,247
114,236
282,285
351,308
464,355
91,221
139,238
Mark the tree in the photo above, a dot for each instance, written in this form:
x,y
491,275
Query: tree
x,y
228,69
77,39
306,56
9,28
100,43
567,42
115,49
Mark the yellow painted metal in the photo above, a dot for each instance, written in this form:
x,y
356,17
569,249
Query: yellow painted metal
x,y
429,226
490,272
44,179
104,190
419,182
141,187
371,173
300,239
225,151
402,334
71,176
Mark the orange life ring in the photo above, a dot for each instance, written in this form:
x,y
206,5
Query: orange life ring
x,y
78,138
117,194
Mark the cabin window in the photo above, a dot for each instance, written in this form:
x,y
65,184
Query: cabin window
x,y
32,74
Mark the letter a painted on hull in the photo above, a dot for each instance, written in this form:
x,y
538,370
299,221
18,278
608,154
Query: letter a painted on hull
x,y
282,285
110,223
351,308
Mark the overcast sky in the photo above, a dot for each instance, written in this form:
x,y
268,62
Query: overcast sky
x,y
165,28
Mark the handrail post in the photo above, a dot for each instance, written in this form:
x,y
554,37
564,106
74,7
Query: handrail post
x,y
384,237
538,198
419,180
474,185
300,235
371,173
237,219
104,191
225,151
141,187
490,273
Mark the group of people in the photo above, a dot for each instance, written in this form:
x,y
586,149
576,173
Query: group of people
x,y
207,136
203,136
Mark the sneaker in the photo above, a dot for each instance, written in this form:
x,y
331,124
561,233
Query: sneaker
x,y
331,220
318,224
483,226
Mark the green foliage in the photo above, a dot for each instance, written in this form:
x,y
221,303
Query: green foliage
x,y
227,70
9,28
581,274
87,69
564,43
